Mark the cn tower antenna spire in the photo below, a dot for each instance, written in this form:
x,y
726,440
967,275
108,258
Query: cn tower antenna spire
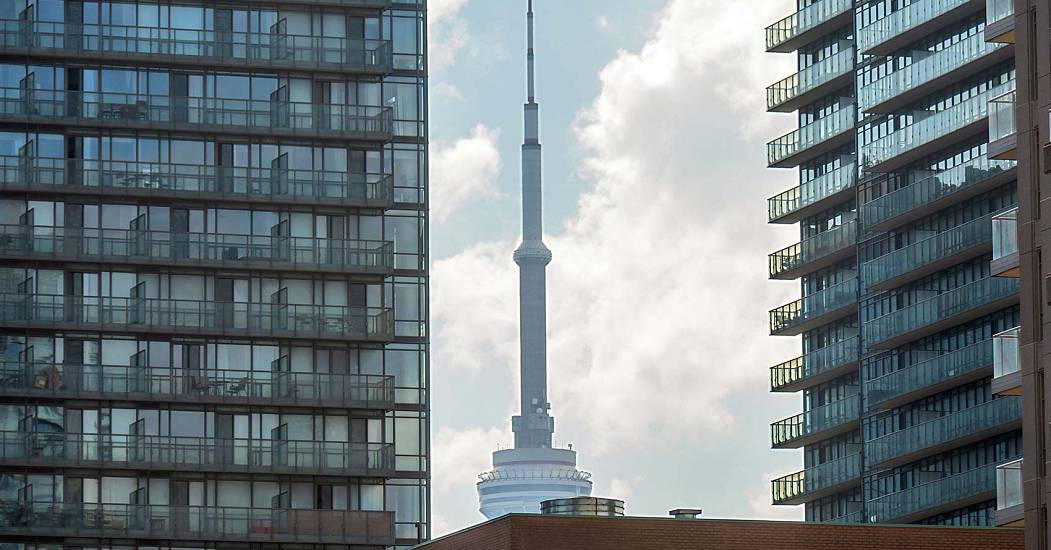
x,y
530,56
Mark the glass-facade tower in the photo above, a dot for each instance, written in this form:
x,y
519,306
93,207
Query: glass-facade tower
x,y
213,281
902,318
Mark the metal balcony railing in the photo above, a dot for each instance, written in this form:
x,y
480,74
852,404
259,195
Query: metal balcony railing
x,y
931,372
1009,485
966,236
196,181
902,20
929,188
823,302
804,20
812,192
943,306
826,417
220,249
794,487
154,521
145,110
914,500
813,364
1006,356
198,316
1005,234
811,135
263,49
943,430
221,386
798,256
810,78
157,452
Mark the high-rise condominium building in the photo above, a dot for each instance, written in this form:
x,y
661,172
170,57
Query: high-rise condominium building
x,y
907,178
213,283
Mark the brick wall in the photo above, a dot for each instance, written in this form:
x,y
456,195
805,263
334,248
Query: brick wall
x,y
525,532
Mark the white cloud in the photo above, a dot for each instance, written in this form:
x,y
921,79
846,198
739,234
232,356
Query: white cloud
x,y
602,22
458,456
447,32
463,171
447,90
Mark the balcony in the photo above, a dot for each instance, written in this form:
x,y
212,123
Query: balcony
x,y
934,497
1003,142
196,317
936,191
211,454
813,196
816,424
197,114
818,366
818,481
940,372
1005,245
1000,21
197,249
218,523
910,23
818,18
811,83
931,255
1007,363
929,72
819,251
931,131
273,50
821,136
1010,497
1000,415
196,182
278,387
819,308
940,311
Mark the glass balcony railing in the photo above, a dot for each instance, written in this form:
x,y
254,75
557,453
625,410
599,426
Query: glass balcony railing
x,y
915,500
996,10
943,430
199,316
197,181
819,419
362,121
121,382
1009,485
938,308
936,370
817,478
925,69
815,248
274,48
1006,356
79,243
903,20
157,521
928,126
817,132
810,78
1005,234
812,192
1002,116
804,20
946,244
814,363
157,452
814,306
853,517
932,187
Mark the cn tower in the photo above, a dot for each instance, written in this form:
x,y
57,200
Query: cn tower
x,y
533,471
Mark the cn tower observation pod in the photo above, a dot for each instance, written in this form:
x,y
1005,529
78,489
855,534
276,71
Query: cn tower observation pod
x,y
522,478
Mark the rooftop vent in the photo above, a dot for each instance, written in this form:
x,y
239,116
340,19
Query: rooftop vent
x,y
685,513
583,506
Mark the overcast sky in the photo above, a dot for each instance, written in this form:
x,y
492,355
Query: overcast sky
x,y
655,207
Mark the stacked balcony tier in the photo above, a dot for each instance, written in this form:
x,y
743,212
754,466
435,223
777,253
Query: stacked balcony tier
x,y
931,192
1007,363
818,366
1010,495
1005,244
813,196
940,372
196,317
802,26
930,255
912,22
816,424
933,497
1000,415
145,247
811,141
817,252
1003,138
818,481
940,311
213,523
811,83
815,309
